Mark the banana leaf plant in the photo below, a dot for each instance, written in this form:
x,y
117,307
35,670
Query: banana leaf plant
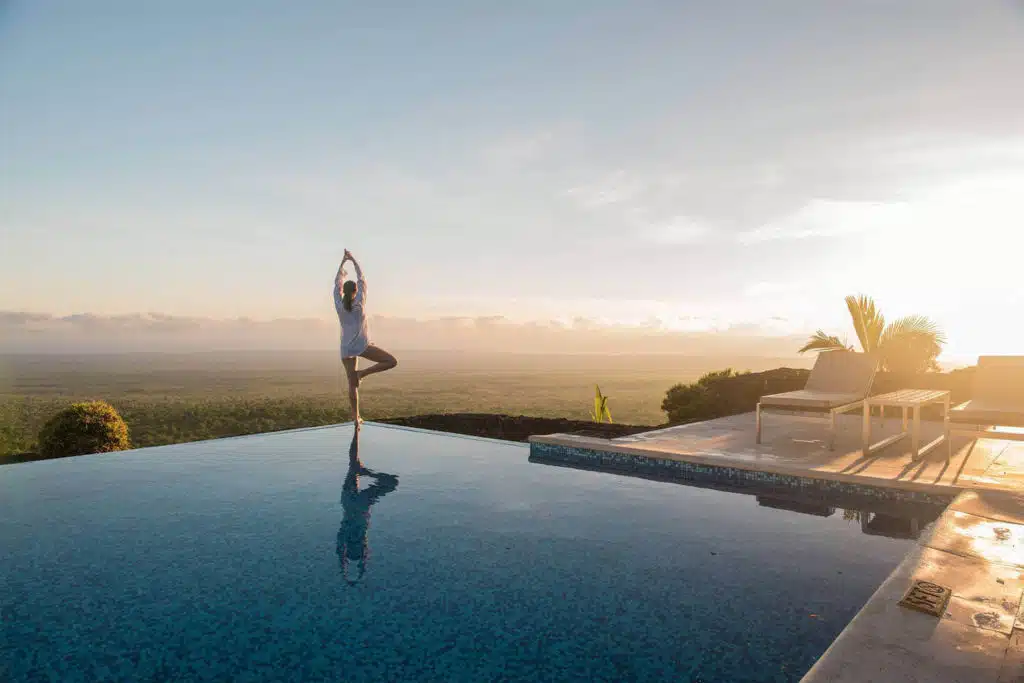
x,y
600,412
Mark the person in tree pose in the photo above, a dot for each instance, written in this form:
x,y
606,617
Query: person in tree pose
x,y
350,303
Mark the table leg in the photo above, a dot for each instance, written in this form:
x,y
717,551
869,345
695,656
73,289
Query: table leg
x,y
757,439
904,418
945,428
866,429
915,435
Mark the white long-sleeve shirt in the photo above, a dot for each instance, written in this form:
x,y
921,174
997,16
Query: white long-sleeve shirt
x,y
355,332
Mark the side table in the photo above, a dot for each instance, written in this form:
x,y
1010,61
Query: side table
x,y
911,400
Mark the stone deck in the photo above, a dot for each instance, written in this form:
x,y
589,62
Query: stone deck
x,y
976,548
796,446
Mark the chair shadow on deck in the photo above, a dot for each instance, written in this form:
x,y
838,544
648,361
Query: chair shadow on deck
x,y
893,462
863,463
914,469
803,445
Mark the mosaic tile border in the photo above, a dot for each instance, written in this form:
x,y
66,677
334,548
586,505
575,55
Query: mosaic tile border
x,y
734,477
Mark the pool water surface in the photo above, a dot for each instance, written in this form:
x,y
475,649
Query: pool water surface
x,y
409,555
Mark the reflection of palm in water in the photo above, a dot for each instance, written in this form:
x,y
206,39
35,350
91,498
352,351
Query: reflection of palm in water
x,y
352,541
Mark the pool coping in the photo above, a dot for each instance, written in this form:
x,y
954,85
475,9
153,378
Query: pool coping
x,y
600,449
847,498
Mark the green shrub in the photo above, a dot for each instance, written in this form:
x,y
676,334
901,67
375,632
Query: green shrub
x,y
725,392
81,428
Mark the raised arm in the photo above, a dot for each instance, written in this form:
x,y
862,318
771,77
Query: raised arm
x,y
361,291
337,282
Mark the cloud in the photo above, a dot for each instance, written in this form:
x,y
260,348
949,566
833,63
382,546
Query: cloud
x,y
760,289
89,333
617,187
821,218
519,150
25,332
678,231
969,227
516,150
15,318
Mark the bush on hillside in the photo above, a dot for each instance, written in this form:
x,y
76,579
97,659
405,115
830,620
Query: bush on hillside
x,y
82,428
726,392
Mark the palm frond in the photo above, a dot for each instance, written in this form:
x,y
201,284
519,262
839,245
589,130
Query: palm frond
x,y
912,344
868,322
917,326
819,341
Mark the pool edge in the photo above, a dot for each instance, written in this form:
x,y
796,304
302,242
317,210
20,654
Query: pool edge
x,y
278,432
970,642
615,457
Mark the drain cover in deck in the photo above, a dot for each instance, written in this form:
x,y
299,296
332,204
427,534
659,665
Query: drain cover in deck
x,y
927,597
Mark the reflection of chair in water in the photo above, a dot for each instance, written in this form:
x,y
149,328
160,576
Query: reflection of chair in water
x,y
890,526
806,508
352,536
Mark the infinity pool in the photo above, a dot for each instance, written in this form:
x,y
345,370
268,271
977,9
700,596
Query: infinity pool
x,y
409,555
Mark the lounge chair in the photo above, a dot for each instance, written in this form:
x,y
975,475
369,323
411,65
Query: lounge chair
x,y
839,383
997,400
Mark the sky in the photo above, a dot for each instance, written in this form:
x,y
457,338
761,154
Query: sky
x,y
684,165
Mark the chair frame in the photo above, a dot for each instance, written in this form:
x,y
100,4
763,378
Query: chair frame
x,y
980,430
829,416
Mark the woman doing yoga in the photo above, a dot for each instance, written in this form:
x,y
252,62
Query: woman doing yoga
x,y
350,303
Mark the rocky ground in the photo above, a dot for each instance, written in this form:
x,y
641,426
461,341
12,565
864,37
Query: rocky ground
x,y
513,427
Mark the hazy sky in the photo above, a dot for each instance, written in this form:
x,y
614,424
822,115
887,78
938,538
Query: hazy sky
x,y
700,162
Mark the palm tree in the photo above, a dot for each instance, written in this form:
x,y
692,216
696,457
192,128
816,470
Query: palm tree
x,y
910,344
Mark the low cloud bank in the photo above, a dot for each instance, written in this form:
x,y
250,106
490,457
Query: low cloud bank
x,y
22,332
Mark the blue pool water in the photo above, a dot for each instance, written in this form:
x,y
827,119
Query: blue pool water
x,y
269,558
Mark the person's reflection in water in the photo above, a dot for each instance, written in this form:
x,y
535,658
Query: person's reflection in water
x,y
352,543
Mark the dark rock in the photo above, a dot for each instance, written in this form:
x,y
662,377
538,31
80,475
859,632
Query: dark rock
x,y
513,427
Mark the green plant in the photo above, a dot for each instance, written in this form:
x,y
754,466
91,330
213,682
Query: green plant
x,y
726,392
81,428
697,400
600,407
908,345
853,515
